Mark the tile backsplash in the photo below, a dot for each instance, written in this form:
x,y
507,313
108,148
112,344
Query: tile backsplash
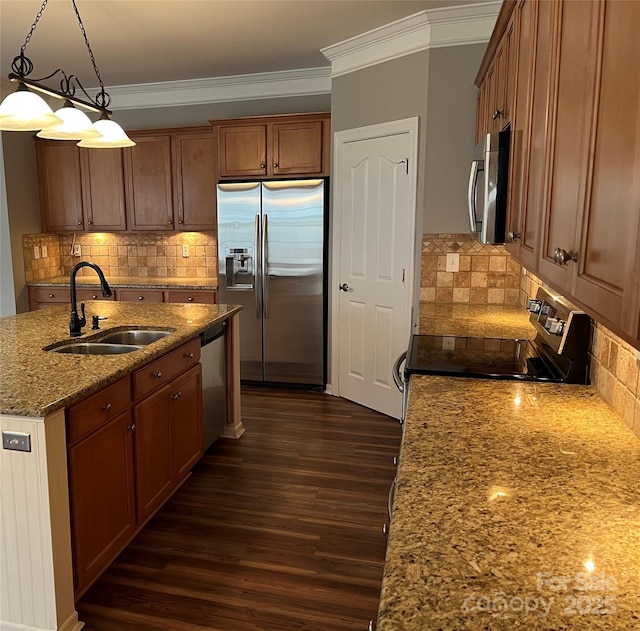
x,y
488,274
615,370
153,254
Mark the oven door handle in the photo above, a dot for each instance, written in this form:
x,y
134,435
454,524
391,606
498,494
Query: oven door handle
x,y
476,167
397,377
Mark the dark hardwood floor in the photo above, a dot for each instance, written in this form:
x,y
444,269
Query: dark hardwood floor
x,y
278,531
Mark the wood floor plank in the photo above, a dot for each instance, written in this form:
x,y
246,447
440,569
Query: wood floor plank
x,y
278,531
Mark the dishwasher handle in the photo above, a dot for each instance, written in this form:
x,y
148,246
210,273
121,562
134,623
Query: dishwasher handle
x,y
213,333
397,377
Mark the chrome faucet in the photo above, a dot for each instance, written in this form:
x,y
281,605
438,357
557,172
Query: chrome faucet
x,y
76,323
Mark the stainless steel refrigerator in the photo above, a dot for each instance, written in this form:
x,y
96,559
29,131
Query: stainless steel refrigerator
x,y
271,255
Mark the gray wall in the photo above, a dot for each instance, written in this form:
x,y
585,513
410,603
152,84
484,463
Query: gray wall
x,y
450,136
7,296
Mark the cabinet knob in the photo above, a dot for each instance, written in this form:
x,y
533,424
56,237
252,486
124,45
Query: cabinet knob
x,y
496,115
94,296
385,529
177,396
131,427
275,165
562,257
158,375
91,223
395,460
140,297
513,236
52,296
189,356
180,221
169,222
106,407
190,299
262,165
79,223
371,626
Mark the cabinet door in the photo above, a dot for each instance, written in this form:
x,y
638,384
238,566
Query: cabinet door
x,y
608,251
59,185
186,422
508,72
524,47
533,187
153,452
194,181
570,121
101,486
148,183
103,189
297,148
242,150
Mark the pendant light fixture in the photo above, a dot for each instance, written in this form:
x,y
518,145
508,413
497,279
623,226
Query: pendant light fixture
x,y
26,111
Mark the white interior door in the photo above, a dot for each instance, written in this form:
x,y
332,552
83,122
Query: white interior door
x,y
376,226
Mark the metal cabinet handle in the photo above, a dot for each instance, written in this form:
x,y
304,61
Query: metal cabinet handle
x,y
371,626
497,114
562,257
385,529
395,460
513,236
106,407
344,287
177,396
158,375
397,377
131,427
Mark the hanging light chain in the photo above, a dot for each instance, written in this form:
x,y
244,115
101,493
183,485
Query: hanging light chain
x,y
33,27
86,41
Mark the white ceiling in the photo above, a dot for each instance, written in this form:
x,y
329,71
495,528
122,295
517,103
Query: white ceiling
x,y
142,41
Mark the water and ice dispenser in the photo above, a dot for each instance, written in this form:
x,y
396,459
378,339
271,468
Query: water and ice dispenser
x,y
239,268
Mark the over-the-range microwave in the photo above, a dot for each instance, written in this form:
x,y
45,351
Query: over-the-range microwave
x,y
488,187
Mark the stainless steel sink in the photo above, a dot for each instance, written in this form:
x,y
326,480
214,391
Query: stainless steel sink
x,y
95,348
136,337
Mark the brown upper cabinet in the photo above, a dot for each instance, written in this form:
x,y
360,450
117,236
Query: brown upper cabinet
x,y
574,191
275,146
80,189
166,182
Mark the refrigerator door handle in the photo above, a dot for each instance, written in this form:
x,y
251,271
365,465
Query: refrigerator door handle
x,y
256,271
265,263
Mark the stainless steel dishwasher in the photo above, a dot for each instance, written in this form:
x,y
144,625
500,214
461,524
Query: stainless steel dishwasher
x,y
213,358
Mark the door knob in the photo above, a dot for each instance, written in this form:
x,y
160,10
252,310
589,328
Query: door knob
x,y
513,236
345,287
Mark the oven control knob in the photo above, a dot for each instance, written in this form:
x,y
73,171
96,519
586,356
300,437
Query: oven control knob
x,y
545,308
550,323
533,305
557,327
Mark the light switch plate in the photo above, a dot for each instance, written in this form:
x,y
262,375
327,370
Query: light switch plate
x,y
16,441
43,249
448,343
77,249
453,263
36,252
185,251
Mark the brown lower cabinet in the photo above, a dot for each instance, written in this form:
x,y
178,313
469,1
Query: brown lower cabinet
x,y
130,446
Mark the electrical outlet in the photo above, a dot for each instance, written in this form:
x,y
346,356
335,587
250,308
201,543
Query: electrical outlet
x,y
453,263
185,251
36,252
448,343
43,249
638,355
16,441
77,250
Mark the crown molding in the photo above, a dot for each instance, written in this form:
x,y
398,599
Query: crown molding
x,y
248,87
435,28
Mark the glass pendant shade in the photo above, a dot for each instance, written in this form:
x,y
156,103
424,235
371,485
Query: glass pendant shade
x,y
25,111
76,125
112,136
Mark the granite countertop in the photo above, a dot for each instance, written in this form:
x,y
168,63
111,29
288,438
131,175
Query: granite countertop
x,y
475,320
34,382
133,282
518,507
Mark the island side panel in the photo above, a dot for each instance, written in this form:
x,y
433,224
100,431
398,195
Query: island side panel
x,y
234,427
36,578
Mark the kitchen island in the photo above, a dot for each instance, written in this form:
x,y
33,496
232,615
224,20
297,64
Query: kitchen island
x,y
517,506
37,387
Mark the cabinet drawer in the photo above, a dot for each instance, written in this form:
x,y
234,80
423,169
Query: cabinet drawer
x,y
163,370
200,296
53,295
141,295
92,294
97,409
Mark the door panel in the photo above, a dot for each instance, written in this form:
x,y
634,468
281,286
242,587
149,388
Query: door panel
x,y
376,232
293,281
239,231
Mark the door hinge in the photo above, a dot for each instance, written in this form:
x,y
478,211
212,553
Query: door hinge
x,y
406,165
